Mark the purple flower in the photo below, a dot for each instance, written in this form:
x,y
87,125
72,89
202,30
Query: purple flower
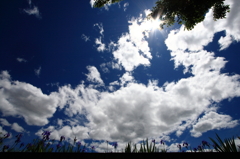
x,y
200,147
78,143
22,144
93,147
153,140
46,135
162,142
6,135
18,140
179,146
75,139
19,135
58,146
115,145
29,146
5,147
205,143
185,144
84,150
195,149
62,138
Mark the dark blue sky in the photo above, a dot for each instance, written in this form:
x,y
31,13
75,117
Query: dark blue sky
x,y
110,74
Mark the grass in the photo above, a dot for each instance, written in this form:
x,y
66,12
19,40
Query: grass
x,y
45,145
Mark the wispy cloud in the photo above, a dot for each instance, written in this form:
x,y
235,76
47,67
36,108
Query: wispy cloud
x,y
125,5
21,60
85,38
100,27
32,10
37,71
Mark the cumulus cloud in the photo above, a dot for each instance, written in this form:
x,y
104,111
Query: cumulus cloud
x,y
94,75
14,126
21,99
128,55
101,46
17,128
212,120
21,60
132,48
203,32
225,42
4,122
32,10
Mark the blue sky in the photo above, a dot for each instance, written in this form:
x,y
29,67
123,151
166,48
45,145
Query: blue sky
x,y
110,74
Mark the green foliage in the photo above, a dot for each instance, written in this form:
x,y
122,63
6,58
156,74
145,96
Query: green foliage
x,y
101,3
187,12
228,145
144,148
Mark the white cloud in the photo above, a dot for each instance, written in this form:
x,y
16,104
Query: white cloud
x,y
85,38
32,10
17,128
21,99
37,71
210,121
4,122
127,77
21,60
203,32
104,68
128,54
68,132
224,42
101,46
100,27
94,75
125,5
92,3
132,48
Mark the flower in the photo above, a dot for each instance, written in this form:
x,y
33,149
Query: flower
x,y
200,147
195,149
62,138
93,147
205,143
58,146
185,144
6,135
22,144
78,143
46,135
162,142
179,146
115,145
18,140
19,135
153,140
5,147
